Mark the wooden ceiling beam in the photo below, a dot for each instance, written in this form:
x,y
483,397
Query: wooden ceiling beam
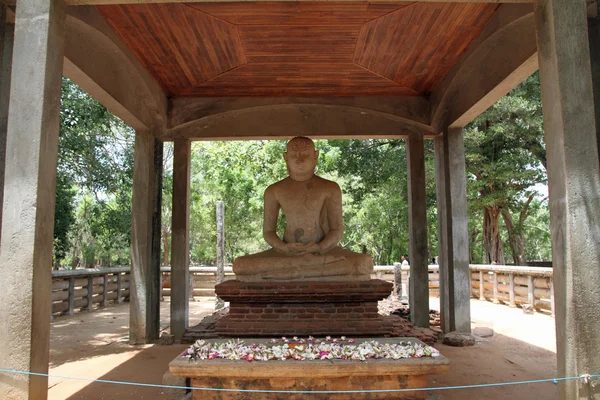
x,y
107,2
97,60
284,118
411,109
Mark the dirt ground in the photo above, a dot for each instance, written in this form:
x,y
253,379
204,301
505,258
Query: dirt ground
x,y
90,346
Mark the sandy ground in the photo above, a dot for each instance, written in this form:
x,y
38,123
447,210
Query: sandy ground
x,y
94,346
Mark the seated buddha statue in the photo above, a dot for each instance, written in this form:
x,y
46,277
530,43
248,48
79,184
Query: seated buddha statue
x,y
313,212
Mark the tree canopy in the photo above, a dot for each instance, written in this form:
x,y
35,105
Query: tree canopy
x,y
505,158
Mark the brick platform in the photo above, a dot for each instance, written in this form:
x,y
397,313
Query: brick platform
x,y
303,308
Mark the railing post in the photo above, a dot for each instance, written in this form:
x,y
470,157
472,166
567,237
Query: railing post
x,y
119,298
71,298
551,281
481,286
105,291
398,280
511,282
495,288
530,294
90,291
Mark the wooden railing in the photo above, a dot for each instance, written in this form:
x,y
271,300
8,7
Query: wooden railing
x,y
82,289
514,285
202,280
501,284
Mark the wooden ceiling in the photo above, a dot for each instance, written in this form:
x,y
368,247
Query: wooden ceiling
x,y
298,48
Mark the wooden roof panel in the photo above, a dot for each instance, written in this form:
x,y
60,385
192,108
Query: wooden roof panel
x,y
298,13
298,48
181,47
327,79
417,45
282,43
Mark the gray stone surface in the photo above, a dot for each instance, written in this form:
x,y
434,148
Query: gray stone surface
x,y
417,227
7,32
527,308
458,339
154,279
594,36
166,339
29,197
453,247
574,185
173,393
483,331
144,293
180,238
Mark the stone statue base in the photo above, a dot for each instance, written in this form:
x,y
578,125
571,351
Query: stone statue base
x,y
336,264
274,309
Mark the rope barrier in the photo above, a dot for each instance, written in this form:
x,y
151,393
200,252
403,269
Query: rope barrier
x,y
585,378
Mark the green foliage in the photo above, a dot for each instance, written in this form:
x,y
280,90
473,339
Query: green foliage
x,y
505,158
238,174
94,181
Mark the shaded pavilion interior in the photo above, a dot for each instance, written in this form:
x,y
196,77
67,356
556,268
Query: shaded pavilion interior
x,y
273,70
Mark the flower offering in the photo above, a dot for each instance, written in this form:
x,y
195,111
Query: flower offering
x,y
307,349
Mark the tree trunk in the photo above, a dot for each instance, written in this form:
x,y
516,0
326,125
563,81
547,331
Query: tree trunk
x,y
472,243
516,236
492,242
515,239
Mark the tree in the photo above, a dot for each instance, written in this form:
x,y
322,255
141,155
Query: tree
x,y
94,177
506,158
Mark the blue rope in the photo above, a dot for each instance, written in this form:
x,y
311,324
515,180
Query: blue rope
x,y
585,377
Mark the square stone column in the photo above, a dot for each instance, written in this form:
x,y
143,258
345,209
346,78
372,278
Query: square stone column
x,y
144,286
7,37
180,238
453,233
29,196
574,187
594,37
417,227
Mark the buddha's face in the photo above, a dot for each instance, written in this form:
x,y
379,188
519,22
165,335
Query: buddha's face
x,y
301,161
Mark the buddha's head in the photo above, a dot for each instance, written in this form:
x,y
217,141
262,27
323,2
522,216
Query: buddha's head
x,y
301,158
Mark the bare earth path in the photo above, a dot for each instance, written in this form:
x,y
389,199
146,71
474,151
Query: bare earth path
x,y
94,346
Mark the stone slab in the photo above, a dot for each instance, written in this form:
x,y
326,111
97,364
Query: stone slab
x,y
311,375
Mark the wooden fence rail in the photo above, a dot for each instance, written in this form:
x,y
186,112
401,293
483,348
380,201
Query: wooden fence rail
x,y
501,284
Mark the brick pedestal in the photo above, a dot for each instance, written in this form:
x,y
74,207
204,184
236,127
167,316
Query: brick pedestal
x,y
303,308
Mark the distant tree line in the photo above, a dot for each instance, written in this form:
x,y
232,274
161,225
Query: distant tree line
x,y
505,164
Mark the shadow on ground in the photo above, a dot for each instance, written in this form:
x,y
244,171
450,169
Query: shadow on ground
x,y
90,346
499,359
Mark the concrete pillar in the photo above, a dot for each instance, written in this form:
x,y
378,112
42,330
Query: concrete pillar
x,y
417,227
574,187
29,196
453,234
180,234
594,37
7,32
144,324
